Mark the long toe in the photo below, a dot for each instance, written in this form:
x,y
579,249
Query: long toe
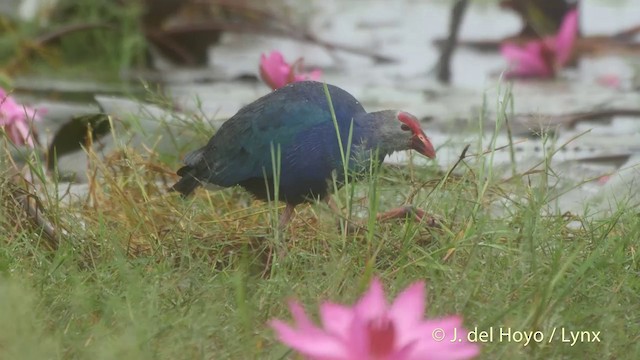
x,y
407,211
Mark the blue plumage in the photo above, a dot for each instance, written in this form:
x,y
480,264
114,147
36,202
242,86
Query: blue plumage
x,y
297,118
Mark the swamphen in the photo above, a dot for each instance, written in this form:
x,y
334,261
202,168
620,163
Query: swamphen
x,y
297,119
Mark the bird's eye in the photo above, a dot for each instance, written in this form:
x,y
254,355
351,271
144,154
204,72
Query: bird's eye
x,y
405,127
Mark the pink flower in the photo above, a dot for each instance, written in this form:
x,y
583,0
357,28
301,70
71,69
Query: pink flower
x,y
375,330
15,120
276,72
543,58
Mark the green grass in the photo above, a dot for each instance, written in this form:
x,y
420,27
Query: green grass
x,y
142,274
97,50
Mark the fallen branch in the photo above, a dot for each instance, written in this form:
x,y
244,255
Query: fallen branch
x,y
164,36
297,35
287,29
34,45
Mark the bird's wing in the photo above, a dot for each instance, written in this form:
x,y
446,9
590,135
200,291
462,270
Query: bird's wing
x,y
244,146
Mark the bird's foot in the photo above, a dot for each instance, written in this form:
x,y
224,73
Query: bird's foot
x,y
406,211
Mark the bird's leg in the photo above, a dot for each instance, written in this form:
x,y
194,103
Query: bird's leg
x,y
406,211
285,217
400,212
281,249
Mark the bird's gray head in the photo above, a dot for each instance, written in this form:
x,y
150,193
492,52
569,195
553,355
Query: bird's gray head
x,y
398,130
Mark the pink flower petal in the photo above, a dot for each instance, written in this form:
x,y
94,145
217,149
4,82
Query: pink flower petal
x,y
358,338
316,345
405,353
22,134
16,120
445,350
373,304
274,70
13,134
336,319
371,330
407,312
566,37
408,308
302,321
527,61
300,318
313,75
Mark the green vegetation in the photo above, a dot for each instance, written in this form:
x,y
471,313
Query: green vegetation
x,y
77,38
142,274
107,40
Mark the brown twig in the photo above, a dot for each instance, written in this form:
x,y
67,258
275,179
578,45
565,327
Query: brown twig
x,y
65,30
34,44
162,36
300,36
288,29
34,210
626,34
159,36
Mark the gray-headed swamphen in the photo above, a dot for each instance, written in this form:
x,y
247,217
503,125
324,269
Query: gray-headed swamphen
x,y
297,118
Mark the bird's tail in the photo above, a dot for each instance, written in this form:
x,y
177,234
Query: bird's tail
x,y
188,183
